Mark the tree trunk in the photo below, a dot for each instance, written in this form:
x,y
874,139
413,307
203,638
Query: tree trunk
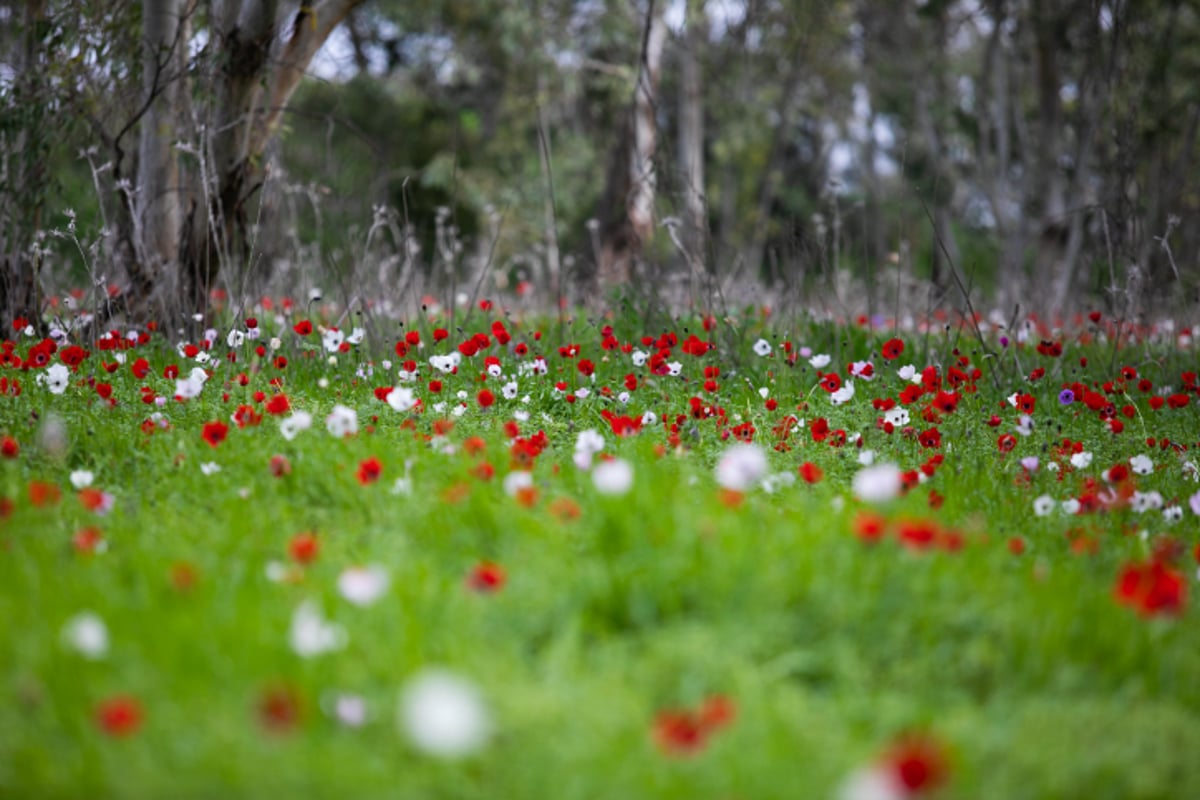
x,y
930,105
195,223
243,33
995,156
23,157
628,219
772,176
691,142
1070,224
158,207
1048,199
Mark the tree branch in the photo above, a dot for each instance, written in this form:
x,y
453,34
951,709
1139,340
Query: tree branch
x,y
310,29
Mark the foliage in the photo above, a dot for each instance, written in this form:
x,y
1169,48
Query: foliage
x,y
724,625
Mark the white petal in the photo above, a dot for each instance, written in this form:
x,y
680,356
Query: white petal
x,y
363,585
444,715
87,634
311,635
873,784
741,467
877,483
613,477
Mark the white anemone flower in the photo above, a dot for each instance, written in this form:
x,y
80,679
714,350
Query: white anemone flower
x,y
291,426
401,398
1043,505
188,388
350,710
342,422
875,783
613,477
517,480
444,715
1142,502
55,378
877,483
589,441
311,635
587,444
1141,464
843,395
363,586
447,363
741,467
86,634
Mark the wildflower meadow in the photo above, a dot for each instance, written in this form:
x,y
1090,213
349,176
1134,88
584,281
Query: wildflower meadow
x,y
481,554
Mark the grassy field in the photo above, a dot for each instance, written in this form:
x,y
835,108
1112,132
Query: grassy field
x,y
964,579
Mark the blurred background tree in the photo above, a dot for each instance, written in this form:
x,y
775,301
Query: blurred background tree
x,y
177,102
859,154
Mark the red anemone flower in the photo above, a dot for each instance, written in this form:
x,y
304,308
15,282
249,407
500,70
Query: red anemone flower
x,y
486,577
119,716
280,466
811,473
684,732
278,404
214,432
279,708
87,540
892,349
1151,589
918,534
679,732
304,548
869,527
43,493
369,470
918,763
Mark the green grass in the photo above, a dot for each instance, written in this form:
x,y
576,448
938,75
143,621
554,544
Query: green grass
x,y
1024,669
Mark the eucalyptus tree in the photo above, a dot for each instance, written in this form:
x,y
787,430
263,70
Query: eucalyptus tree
x,y
180,99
